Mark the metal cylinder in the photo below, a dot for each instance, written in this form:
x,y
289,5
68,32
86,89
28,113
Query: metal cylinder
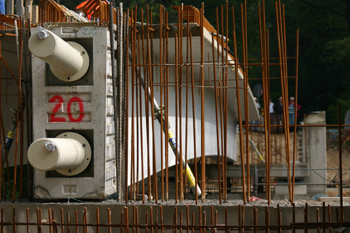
x,y
68,61
63,153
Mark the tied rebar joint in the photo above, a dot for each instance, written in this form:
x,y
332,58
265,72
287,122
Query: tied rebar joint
x,y
158,112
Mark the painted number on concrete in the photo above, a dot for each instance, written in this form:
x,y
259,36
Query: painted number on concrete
x,y
59,100
89,31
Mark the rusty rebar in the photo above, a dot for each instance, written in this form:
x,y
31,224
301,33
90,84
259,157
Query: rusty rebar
x,y
305,216
161,63
176,116
330,217
180,63
203,196
245,76
340,165
217,118
194,118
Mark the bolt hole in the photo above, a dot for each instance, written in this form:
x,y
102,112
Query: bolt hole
x,y
68,78
84,145
69,170
87,158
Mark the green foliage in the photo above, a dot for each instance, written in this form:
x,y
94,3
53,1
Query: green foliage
x,y
332,111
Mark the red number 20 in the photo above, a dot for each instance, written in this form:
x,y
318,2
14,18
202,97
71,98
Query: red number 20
x,y
53,117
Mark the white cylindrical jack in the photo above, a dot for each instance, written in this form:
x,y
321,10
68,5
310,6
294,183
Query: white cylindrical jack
x,y
68,61
69,154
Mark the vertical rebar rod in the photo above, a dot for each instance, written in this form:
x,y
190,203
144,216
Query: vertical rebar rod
x,y
318,218
279,218
181,218
243,217
216,221
19,103
296,104
175,219
255,217
155,189
50,220
2,176
202,105
97,220
284,55
176,115
246,101
293,217
284,94
265,89
146,222
22,98
147,106
76,221
85,220
37,219
180,38
305,217
137,219
239,219
246,107
27,221
218,95
14,226
187,86
153,107
200,219
141,114
126,219
268,156
194,119
340,165
161,216
226,104
161,95
193,221
236,67
62,220
216,116
133,78
267,220
330,217
138,114
324,216
166,102
68,222
126,116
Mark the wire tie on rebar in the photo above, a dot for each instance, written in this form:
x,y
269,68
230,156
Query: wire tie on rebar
x,y
158,112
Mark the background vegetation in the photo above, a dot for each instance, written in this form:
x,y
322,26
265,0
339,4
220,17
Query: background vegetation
x,y
324,61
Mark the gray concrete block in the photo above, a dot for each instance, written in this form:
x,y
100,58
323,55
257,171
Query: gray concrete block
x,y
298,190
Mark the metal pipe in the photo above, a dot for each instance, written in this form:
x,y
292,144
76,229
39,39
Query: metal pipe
x,y
68,61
